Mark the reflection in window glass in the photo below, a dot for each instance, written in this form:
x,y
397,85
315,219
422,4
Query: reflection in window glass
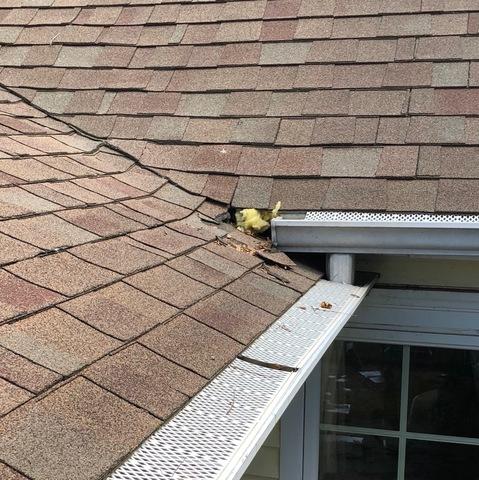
x,y
361,385
357,457
441,461
444,392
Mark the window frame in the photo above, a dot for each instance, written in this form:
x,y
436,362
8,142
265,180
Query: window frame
x,y
425,311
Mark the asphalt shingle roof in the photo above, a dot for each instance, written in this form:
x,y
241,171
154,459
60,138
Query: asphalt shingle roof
x,y
100,256
167,113
368,87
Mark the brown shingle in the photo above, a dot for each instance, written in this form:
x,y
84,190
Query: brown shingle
x,y
252,130
100,221
450,74
398,161
283,53
238,31
229,252
56,340
278,30
118,254
287,104
458,196
358,76
327,102
216,158
167,240
231,316
220,187
330,130
459,162
196,226
46,232
221,264
247,104
405,25
54,16
170,286
210,130
163,388
200,271
240,54
392,130
408,74
361,26
119,311
392,102
201,105
412,195
376,51
14,202
314,28
253,192
299,161
456,101
72,190
295,132
282,8
134,15
356,194
98,15
20,297
167,128
314,76
177,341
276,78
350,162
7,473
13,250
257,161
11,396
79,432
333,51
178,196
436,130
429,162
298,194
366,130
248,9
24,373
63,273
263,293
157,208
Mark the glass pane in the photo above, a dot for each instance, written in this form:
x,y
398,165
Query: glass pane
x,y
441,461
361,385
443,392
356,457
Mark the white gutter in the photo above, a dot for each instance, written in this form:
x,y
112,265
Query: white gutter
x,y
378,233
219,432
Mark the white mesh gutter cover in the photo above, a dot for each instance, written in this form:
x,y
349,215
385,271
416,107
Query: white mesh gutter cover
x,y
218,433
378,233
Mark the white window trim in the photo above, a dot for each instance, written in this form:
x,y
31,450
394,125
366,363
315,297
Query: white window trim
x,y
406,317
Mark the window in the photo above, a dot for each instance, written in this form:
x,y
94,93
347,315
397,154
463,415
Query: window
x,y
399,412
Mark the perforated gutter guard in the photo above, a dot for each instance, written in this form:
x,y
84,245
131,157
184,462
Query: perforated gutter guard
x,y
378,233
218,433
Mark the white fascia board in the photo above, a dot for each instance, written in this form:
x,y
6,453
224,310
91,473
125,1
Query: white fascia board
x,y
217,435
356,232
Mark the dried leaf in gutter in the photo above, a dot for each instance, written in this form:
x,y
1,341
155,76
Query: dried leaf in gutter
x,y
326,305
